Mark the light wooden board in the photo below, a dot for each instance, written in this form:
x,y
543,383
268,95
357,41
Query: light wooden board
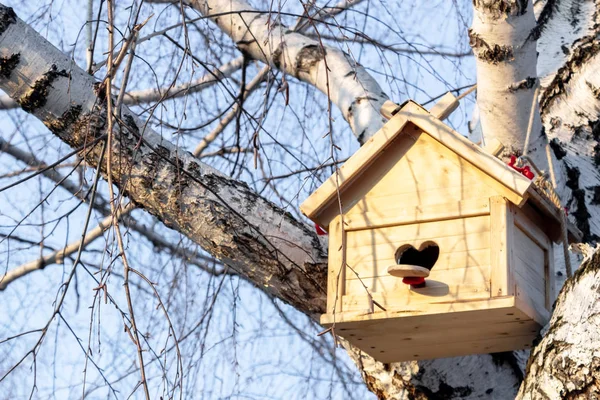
x,y
440,330
531,268
422,231
434,292
377,264
501,221
504,308
394,215
499,171
478,275
477,240
386,205
450,335
335,272
442,350
428,165
372,157
445,106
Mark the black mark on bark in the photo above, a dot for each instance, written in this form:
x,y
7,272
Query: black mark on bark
x,y
308,57
526,83
501,8
7,17
494,53
558,149
59,125
8,64
577,201
37,96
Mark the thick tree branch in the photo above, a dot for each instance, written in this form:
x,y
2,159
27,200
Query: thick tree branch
x,y
253,236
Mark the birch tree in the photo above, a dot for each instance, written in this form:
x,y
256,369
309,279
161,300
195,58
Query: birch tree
x,y
542,56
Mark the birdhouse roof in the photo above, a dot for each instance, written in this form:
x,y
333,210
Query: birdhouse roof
x,y
512,184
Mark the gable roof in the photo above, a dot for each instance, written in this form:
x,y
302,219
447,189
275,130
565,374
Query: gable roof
x,y
516,185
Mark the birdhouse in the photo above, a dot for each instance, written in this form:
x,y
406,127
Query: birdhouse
x,y
436,248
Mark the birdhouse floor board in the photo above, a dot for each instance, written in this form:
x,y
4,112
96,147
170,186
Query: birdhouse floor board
x,y
444,350
452,333
395,340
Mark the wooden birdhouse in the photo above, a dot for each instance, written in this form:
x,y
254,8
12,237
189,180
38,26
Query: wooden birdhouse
x,y
436,248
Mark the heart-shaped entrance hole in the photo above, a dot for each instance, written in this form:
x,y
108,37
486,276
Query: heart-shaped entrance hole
x,y
414,265
425,257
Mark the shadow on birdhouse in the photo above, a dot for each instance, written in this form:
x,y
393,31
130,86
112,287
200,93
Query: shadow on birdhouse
x,y
454,244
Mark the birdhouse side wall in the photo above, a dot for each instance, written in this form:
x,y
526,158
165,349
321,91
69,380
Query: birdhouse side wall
x,y
533,264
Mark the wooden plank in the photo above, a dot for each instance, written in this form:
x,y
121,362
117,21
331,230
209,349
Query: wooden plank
x,y
535,288
358,163
463,242
435,292
395,215
511,180
430,197
501,227
416,325
550,278
532,267
426,230
399,337
335,270
445,106
493,147
527,305
478,276
427,165
388,109
551,211
449,260
532,229
495,308
434,351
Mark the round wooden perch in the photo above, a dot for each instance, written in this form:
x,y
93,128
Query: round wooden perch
x,y
407,270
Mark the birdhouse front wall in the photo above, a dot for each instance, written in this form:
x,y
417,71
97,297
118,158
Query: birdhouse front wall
x,y
417,192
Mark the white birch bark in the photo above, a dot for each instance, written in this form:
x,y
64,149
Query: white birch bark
x,y
334,72
505,53
156,94
566,363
